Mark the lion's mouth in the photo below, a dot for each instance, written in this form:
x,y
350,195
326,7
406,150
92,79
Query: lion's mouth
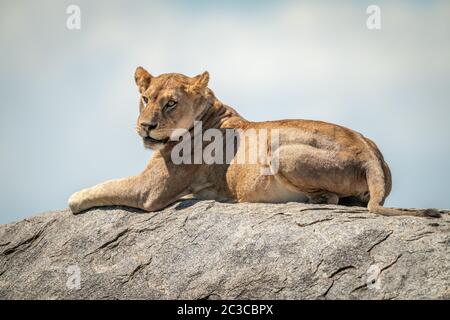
x,y
151,140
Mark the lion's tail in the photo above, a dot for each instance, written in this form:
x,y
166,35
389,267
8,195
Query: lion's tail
x,y
375,176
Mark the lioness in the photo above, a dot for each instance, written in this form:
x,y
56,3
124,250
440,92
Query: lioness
x,y
317,162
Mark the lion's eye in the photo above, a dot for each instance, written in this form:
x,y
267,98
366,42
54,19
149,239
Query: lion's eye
x,y
170,104
145,99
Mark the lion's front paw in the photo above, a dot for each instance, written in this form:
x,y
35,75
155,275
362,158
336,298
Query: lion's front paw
x,y
75,202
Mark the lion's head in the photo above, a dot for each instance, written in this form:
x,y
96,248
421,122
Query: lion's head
x,y
168,102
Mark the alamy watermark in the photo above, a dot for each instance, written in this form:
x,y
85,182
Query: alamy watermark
x,y
73,21
373,280
74,280
373,21
227,146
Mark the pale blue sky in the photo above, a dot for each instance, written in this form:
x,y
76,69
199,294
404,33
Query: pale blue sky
x,y
69,103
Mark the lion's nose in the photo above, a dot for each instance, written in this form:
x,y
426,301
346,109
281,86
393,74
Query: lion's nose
x,y
148,125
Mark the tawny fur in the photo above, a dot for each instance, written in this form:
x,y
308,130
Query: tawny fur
x,y
319,162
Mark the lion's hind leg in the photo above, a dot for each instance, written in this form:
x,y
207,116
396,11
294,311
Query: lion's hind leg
x,y
354,201
312,171
323,198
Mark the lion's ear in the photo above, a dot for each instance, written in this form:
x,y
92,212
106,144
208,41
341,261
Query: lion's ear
x,y
200,81
142,78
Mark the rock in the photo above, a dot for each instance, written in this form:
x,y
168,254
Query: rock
x,y
211,250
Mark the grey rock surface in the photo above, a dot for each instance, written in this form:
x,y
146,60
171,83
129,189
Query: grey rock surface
x,y
211,250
